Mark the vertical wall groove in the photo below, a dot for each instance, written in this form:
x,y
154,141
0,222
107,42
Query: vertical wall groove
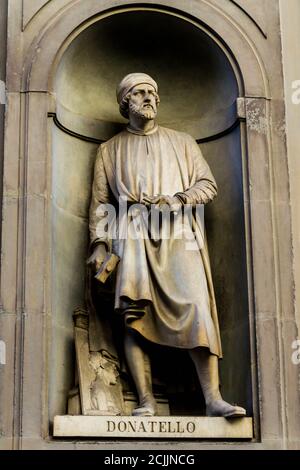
x,y
3,35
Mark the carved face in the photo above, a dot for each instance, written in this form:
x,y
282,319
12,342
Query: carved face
x,y
143,101
111,374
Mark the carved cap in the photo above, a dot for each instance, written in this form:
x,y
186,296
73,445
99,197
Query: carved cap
x,y
132,80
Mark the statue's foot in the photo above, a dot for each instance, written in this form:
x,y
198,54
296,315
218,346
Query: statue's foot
x,y
147,407
224,409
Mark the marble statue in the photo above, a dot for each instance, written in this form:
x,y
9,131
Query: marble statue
x,y
163,291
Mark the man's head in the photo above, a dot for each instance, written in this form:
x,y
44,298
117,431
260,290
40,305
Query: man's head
x,y
137,94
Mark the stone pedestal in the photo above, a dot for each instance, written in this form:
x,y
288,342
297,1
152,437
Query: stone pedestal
x,y
165,427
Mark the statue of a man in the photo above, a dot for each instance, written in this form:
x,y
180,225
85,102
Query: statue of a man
x,y
163,290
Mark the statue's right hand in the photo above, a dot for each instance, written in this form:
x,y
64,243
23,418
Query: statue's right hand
x,y
97,257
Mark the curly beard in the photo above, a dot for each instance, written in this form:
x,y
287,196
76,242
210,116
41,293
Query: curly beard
x,y
143,113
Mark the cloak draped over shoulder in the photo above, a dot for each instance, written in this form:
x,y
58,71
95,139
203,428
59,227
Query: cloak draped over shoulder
x,y
165,289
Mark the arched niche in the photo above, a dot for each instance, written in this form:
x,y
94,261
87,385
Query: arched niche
x,y
198,90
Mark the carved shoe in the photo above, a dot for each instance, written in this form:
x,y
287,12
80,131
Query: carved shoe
x,y
147,407
222,408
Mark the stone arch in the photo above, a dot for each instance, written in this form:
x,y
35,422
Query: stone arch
x,y
43,55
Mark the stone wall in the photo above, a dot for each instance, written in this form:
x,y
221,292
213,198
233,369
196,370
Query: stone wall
x,y
290,30
249,33
3,20
4,334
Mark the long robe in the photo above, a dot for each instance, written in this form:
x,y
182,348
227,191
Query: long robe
x,y
165,289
